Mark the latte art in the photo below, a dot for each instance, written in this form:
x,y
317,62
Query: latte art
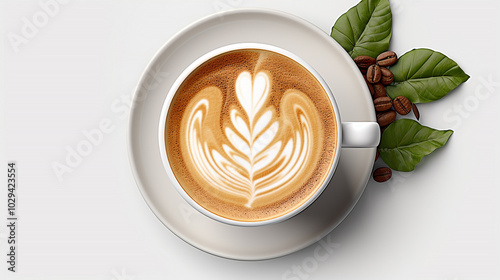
x,y
250,135
261,152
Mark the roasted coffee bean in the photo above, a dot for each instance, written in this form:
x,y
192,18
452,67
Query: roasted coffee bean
x,y
386,118
373,74
377,155
379,91
387,58
415,111
402,105
382,174
363,61
387,76
382,103
370,86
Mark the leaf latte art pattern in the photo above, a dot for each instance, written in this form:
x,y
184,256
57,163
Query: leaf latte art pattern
x,y
255,149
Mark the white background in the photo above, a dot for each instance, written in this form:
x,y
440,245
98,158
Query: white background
x,y
79,68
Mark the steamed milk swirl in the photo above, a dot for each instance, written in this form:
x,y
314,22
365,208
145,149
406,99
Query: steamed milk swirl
x,y
250,135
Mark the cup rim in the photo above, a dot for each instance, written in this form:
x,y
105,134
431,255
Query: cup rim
x,y
166,106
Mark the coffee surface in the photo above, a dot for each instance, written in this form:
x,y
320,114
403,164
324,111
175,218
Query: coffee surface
x,y
250,135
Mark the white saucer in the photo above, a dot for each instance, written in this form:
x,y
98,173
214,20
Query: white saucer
x,y
260,26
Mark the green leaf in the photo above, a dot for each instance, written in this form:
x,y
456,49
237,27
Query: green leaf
x,y
405,142
365,29
423,75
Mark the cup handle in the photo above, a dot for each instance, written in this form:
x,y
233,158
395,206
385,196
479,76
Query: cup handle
x,y
360,134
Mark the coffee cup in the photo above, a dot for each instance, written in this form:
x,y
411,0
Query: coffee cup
x,y
251,135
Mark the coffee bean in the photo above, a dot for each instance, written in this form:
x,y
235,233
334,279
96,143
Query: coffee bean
x,y
363,61
379,91
377,155
382,103
386,118
370,86
382,174
387,76
387,58
415,111
373,74
402,105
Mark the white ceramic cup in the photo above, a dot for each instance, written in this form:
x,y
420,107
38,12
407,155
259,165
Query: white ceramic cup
x,y
350,134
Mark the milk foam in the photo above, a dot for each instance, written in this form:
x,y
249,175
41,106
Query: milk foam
x,y
254,161
250,135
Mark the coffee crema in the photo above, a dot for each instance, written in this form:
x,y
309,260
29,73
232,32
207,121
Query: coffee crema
x,y
250,135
